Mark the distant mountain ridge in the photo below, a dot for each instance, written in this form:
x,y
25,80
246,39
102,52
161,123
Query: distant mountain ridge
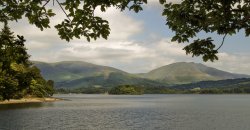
x,y
183,72
76,74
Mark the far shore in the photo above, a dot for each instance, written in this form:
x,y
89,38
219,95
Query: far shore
x,y
30,100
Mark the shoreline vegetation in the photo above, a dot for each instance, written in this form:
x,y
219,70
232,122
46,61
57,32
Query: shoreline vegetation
x,y
135,90
30,100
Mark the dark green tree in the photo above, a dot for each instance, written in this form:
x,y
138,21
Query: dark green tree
x,y
16,71
127,90
50,87
186,18
13,60
39,87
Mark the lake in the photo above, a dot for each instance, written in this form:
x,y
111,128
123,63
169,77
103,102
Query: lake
x,y
142,112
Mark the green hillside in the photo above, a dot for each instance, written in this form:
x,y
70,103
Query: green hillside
x,y
182,72
72,70
229,86
112,80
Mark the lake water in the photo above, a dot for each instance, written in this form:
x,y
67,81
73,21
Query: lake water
x,y
144,112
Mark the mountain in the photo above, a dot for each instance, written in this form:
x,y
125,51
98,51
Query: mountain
x,y
72,70
183,72
76,74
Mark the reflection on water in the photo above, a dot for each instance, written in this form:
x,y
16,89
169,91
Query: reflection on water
x,y
24,106
146,112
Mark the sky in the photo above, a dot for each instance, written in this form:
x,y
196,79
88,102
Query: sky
x,y
138,43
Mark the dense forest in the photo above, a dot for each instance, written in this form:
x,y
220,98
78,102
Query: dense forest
x,y
18,77
228,83
127,90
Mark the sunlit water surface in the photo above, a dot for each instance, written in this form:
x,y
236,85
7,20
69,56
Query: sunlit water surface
x,y
144,112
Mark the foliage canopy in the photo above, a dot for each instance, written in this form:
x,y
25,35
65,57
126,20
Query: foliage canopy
x,y
224,17
186,18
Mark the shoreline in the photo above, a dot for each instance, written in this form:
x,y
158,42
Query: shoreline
x,y
30,100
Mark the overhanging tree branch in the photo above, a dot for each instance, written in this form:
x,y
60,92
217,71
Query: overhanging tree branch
x,y
63,10
46,3
222,42
186,18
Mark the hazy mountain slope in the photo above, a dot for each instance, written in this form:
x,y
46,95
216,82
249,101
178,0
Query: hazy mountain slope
x,y
112,80
72,70
182,72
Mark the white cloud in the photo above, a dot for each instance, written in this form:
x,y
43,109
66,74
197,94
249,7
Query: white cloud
x,y
36,46
236,63
122,26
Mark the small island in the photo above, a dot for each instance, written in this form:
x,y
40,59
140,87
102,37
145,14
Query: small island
x,y
126,90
